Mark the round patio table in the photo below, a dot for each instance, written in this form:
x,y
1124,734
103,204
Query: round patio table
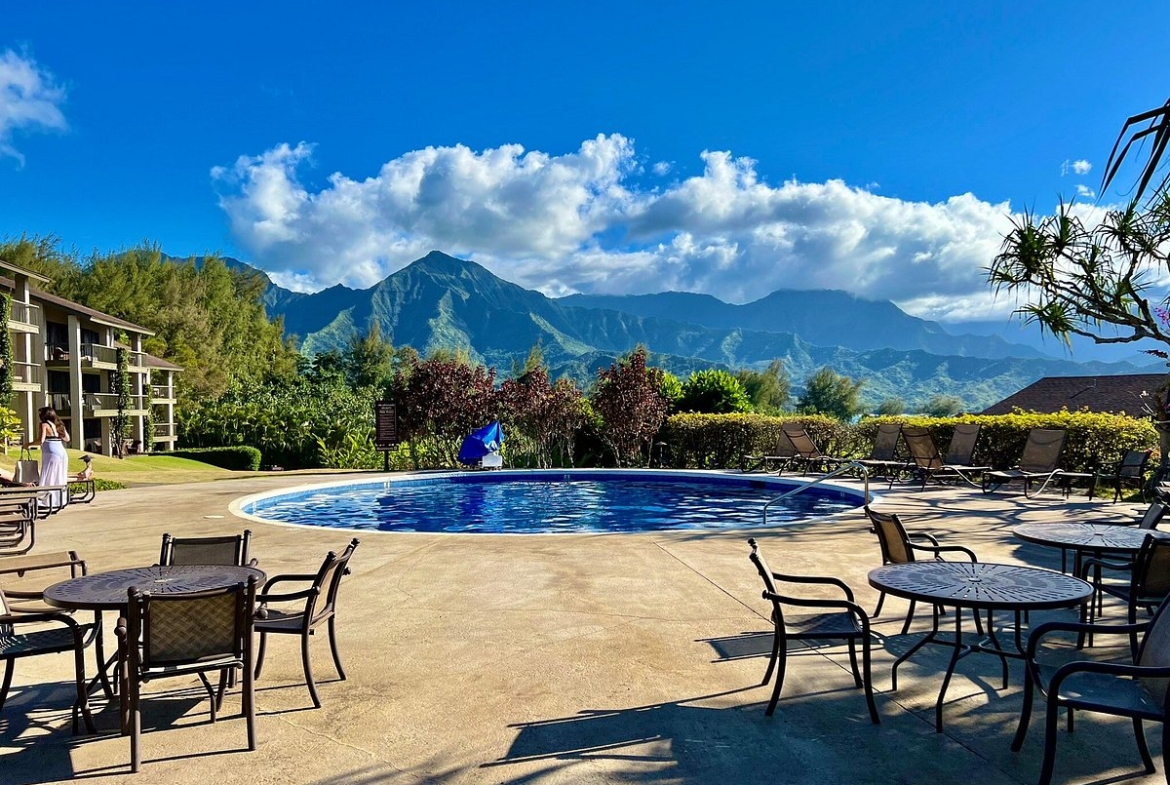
x,y
978,586
108,591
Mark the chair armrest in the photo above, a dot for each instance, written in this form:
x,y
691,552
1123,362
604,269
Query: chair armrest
x,y
1041,631
802,602
924,536
1108,565
937,549
1107,668
823,580
275,579
40,616
265,598
19,565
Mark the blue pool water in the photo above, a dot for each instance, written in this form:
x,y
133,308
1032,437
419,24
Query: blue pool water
x,y
550,502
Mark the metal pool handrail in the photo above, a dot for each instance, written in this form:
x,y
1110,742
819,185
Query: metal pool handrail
x,y
861,467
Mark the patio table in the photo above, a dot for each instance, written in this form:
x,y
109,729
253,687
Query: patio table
x,y
978,586
109,591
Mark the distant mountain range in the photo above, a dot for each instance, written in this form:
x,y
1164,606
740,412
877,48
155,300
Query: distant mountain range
x,y
443,302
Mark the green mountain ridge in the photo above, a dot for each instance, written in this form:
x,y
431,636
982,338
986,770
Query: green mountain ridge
x,y
442,302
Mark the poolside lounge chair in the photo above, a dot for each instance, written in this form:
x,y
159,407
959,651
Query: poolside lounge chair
x,y
832,619
778,459
1038,463
883,458
808,456
1131,468
930,465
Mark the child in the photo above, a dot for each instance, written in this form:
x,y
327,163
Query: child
x,y
86,473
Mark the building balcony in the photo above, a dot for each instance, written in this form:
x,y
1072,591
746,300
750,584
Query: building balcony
x,y
162,394
97,405
26,318
27,377
165,432
95,356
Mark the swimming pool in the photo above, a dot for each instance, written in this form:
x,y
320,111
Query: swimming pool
x,y
549,502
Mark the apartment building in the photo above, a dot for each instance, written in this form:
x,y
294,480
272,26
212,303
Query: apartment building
x,y
66,356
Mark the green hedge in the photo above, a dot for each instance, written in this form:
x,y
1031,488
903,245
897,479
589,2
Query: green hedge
x,y
716,441
239,459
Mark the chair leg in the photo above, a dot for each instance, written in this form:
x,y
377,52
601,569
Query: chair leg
x,y
867,682
1144,750
210,694
774,657
260,654
853,663
82,705
1050,723
333,647
309,671
132,697
781,665
878,610
249,705
8,667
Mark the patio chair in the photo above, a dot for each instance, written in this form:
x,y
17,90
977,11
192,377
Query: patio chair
x,y
185,635
52,633
929,464
1148,584
898,547
1137,690
1131,468
1038,462
24,578
808,455
230,550
839,619
320,607
883,457
779,458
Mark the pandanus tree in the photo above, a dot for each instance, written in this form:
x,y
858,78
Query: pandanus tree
x,y
1106,280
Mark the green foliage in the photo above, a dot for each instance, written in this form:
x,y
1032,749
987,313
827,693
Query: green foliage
x,y
369,360
769,390
891,407
240,458
715,392
6,357
350,449
444,398
284,419
831,394
541,420
121,382
98,485
671,391
718,441
10,426
629,407
943,406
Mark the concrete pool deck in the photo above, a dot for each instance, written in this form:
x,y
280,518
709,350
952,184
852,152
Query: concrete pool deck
x,y
564,659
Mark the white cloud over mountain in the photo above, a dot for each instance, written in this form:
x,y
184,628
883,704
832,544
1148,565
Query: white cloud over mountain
x,y
29,101
583,222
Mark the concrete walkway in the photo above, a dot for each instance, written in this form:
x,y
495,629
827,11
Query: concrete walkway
x,y
563,659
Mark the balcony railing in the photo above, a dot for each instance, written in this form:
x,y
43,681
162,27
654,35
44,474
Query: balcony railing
x,y
26,373
26,313
109,401
161,392
60,402
163,430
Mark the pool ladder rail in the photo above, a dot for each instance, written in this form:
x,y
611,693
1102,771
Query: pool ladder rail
x,y
860,467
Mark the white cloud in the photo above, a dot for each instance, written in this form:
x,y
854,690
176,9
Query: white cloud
x,y
577,223
1085,191
1081,166
662,168
29,101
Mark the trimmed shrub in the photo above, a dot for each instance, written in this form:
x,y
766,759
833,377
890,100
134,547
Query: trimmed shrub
x,y
716,441
237,459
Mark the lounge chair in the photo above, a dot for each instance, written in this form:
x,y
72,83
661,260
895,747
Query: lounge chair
x,y
883,458
808,455
929,464
1131,468
778,459
1038,463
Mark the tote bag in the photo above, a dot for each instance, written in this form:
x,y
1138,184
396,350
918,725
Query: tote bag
x,y
27,471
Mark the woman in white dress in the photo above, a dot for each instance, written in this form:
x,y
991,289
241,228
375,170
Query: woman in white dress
x,y
54,459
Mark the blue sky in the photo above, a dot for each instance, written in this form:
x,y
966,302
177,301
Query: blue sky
x,y
728,148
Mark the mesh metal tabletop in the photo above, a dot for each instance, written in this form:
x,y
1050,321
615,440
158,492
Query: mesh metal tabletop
x,y
108,590
1083,536
980,585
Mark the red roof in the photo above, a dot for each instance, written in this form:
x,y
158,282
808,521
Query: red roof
x,y
1103,394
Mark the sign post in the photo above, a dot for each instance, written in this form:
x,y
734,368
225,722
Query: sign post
x,y
385,430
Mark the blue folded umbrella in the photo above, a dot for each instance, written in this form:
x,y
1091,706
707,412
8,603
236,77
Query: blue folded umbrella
x,y
481,442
